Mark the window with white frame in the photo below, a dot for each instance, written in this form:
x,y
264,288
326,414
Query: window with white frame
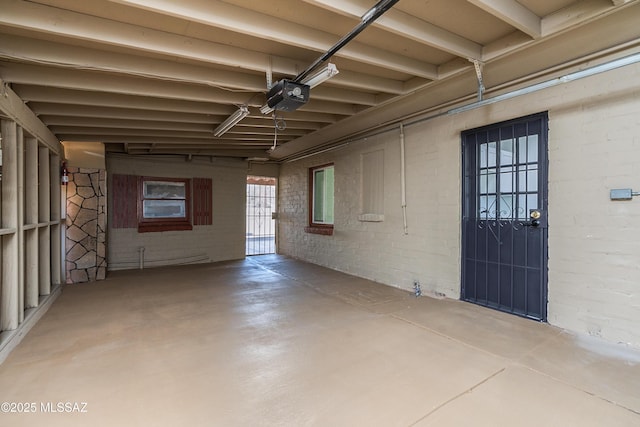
x,y
164,204
321,180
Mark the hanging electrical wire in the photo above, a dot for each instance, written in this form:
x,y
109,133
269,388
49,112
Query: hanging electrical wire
x,y
279,124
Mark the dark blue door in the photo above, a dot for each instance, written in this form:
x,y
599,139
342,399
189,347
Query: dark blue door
x,y
504,224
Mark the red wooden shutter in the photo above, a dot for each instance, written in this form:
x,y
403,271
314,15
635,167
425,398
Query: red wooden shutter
x,y
124,207
202,201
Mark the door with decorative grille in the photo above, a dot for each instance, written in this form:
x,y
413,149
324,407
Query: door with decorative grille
x,y
504,225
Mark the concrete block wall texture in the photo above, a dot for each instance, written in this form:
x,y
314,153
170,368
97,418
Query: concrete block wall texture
x,y
594,243
221,241
594,249
380,250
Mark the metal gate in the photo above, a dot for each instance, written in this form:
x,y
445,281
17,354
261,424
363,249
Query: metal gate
x,y
504,246
261,205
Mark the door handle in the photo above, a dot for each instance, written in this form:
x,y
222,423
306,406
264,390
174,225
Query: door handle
x,y
535,215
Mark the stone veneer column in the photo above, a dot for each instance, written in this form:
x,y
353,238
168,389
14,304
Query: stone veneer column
x,y
86,225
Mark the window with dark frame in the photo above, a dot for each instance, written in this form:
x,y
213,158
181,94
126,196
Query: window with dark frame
x,y
164,204
321,199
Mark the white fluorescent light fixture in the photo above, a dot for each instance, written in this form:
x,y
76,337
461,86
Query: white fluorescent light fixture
x,y
321,76
265,109
231,121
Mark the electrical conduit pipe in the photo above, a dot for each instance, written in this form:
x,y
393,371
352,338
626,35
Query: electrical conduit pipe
x,y
403,180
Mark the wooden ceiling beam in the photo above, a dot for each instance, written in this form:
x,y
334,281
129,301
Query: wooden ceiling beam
x,y
101,82
98,98
50,20
513,13
401,23
69,110
238,19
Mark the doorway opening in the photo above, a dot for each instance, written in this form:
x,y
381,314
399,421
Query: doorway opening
x,y
261,208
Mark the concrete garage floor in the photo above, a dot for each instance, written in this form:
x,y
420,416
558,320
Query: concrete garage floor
x,y
271,341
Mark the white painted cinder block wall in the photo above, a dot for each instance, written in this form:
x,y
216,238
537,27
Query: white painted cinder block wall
x,y
594,243
221,241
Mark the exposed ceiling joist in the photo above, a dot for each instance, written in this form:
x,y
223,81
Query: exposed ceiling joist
x,y
13,107
94,81
100,82
111,134
576,14
157,76
42,19
233,18
513,13
125,124
211,152
120,133
300,115
82,58
76,111
41,93
47,53
319,106
83,99
289,124
401,23
367,82
160,140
